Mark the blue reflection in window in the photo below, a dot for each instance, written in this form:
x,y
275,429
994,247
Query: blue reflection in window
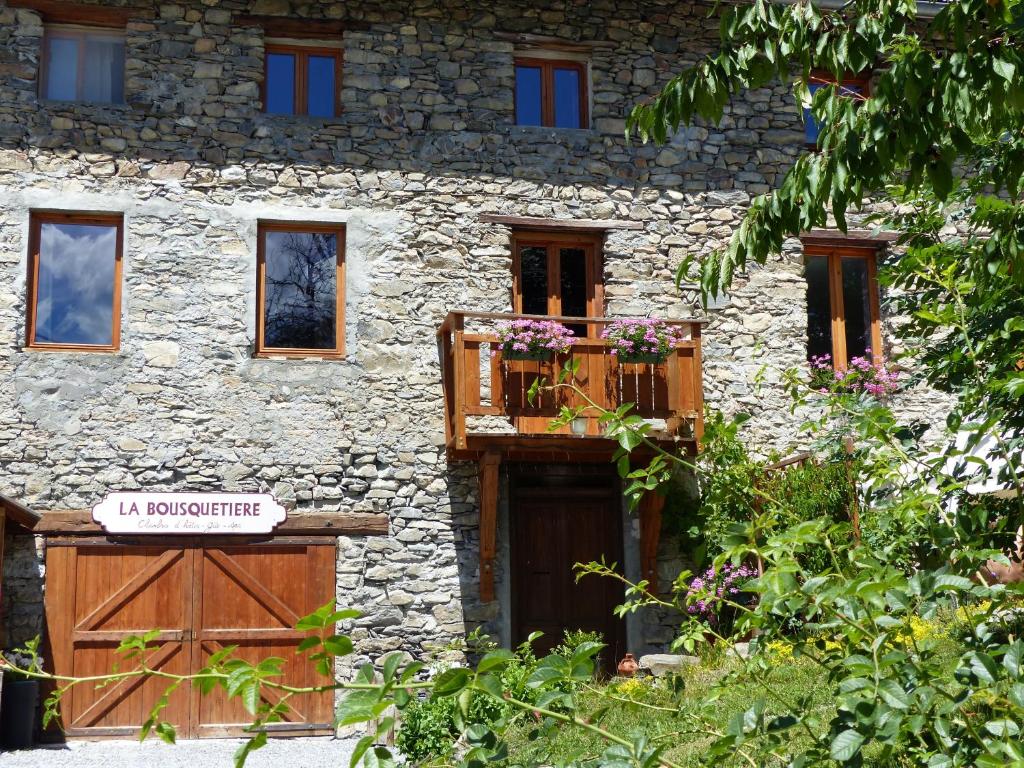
x,y
812,128
528,97
280,86
62,69
320,87
567,98
75,284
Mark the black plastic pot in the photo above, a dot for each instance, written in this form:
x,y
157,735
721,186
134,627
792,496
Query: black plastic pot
x,y
18,712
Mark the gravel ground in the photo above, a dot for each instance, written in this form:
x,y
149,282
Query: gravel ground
x,y
308,752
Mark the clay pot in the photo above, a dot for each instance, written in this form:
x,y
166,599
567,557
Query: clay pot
x,y
628,666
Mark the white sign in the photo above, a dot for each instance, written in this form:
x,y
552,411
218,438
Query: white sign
x,y
188,513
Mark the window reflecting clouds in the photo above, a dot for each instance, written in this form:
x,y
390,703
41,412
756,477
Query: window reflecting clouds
x,y
74,286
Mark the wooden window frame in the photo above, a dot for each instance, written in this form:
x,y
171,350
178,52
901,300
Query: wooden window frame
x,y
302,54
823,78
36,221
552,242
834,255
79,31
547,89
338,230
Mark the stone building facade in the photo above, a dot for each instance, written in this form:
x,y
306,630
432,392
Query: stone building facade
x,y
424,154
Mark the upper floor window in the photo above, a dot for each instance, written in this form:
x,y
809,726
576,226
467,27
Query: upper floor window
x,y
852,87
557,274
301,80
83,64
300,281
551,92
843,317
74,282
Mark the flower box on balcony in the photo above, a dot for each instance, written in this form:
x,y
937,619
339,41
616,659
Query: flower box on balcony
x,y
537,355
641,340
533,339
649,358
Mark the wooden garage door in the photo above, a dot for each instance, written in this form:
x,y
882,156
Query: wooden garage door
x,y
201,598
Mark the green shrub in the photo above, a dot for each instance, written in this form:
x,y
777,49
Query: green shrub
x,y
573,639
734,486
428,728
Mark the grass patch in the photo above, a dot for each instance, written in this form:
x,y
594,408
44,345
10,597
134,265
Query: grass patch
x,y
647,706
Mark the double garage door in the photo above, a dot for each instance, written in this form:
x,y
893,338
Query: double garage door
x,y
200,598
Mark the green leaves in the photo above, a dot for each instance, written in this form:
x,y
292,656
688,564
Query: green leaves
x,y
846,746
451,681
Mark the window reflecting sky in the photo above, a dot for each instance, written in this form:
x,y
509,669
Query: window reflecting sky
x,y
280,88
101,82
567,98
320,87
300,290
528,99
62,69
811,126
75,287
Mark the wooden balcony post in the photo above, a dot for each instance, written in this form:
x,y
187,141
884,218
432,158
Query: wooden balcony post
x,y
698,384
490,463
459,361
651,506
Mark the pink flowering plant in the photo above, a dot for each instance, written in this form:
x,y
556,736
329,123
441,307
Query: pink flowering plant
x,y
646,339
863,375
533,338
714,595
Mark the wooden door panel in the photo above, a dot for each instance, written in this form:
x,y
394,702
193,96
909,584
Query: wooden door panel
x,y
553,529
252,597
96,597
121,708
201,600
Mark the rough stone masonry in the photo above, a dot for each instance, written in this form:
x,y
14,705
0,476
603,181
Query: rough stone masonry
x,y
424,146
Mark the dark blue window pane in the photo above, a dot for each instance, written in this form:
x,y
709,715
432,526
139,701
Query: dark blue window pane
x,y
320,86
300,290
75,285
528,96
280,83
567,98
62,70
811,126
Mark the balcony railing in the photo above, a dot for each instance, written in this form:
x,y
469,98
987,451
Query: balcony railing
x,y
487,397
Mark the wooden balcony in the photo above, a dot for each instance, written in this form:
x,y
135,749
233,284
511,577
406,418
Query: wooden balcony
x,y
487,407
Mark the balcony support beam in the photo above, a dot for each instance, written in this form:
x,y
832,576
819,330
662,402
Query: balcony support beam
x,y
651,506
490,464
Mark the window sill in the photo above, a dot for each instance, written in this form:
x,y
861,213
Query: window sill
x,y
118,106
72,349
310,119
313,356
551,129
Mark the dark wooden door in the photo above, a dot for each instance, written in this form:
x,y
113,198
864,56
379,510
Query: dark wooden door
x,y
200,598
560,517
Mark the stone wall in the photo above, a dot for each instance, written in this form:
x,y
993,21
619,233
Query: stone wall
x,y
425,145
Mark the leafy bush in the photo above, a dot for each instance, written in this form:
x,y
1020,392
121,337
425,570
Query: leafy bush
x,y
431,726
734,487
572,639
